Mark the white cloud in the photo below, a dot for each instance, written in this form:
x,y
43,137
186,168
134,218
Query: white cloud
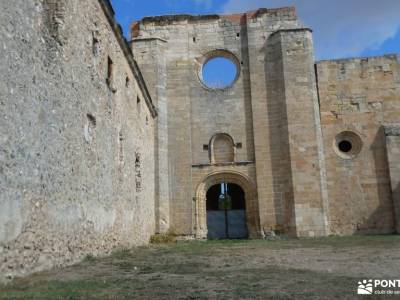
x,y
341,28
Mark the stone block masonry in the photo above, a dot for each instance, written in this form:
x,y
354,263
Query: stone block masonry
x,y
358,98
392,133
312,144
70,132
97,154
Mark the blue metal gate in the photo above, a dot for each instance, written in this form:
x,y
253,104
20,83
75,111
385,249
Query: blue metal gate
x,y
226,213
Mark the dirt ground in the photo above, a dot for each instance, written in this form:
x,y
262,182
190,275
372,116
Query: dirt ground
x,y
324,268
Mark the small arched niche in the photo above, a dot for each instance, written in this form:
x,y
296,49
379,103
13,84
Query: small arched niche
x,y
222,149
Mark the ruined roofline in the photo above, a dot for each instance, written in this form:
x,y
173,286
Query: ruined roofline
x,y
292,30
393,56
126,49
168,19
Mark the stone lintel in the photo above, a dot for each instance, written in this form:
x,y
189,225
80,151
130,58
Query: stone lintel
x,y
237,163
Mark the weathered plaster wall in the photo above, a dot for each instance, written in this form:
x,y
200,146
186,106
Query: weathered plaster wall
x,y
359,95
76,155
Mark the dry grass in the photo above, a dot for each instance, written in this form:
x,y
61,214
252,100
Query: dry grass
x,y
326,268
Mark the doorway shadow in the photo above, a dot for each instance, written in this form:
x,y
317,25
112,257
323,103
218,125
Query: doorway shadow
x,y
226,212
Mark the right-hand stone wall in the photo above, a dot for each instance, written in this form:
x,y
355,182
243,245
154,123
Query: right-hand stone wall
x,y
357,98
392,133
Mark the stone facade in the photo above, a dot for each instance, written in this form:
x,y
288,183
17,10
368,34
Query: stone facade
x,y
393,150
96,156
288,113
359,96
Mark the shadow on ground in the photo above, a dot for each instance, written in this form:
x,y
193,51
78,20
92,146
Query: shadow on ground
x,y
324,268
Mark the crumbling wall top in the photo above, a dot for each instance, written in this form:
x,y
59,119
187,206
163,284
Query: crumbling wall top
x,y
240,18
109,12
393,57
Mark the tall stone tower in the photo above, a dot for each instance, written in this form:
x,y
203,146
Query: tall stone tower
x,y
261,133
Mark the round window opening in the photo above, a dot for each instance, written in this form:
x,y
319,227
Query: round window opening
x,y
347,144
219,72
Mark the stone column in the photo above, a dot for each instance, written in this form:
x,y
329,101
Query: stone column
x,y
393,155
304,133
150,54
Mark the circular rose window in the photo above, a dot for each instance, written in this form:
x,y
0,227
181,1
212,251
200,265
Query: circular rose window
x,y
219,70
347,144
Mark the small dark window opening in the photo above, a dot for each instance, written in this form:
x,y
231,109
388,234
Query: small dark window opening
x,y
121,149
241,63
96,46
345,146
239,145
194,39
205,147
92,120
109,71
90,128
127,81
238,34
138,106
138,177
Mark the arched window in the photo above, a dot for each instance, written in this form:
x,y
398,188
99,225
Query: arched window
x,y
222,148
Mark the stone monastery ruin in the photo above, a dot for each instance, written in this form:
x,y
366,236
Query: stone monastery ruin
x,y
104,143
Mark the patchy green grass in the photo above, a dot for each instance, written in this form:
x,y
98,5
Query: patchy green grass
x,y
323,268
162,239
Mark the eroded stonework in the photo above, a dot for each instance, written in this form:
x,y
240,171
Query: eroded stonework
x,y
290,115
97,154
68,138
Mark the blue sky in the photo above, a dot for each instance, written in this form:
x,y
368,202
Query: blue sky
x,y
342,28
130,10
219,72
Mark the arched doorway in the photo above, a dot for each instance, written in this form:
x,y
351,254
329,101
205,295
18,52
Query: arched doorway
x,y
236,179
226,212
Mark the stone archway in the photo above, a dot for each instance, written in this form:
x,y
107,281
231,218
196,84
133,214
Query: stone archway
x,y
249,188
